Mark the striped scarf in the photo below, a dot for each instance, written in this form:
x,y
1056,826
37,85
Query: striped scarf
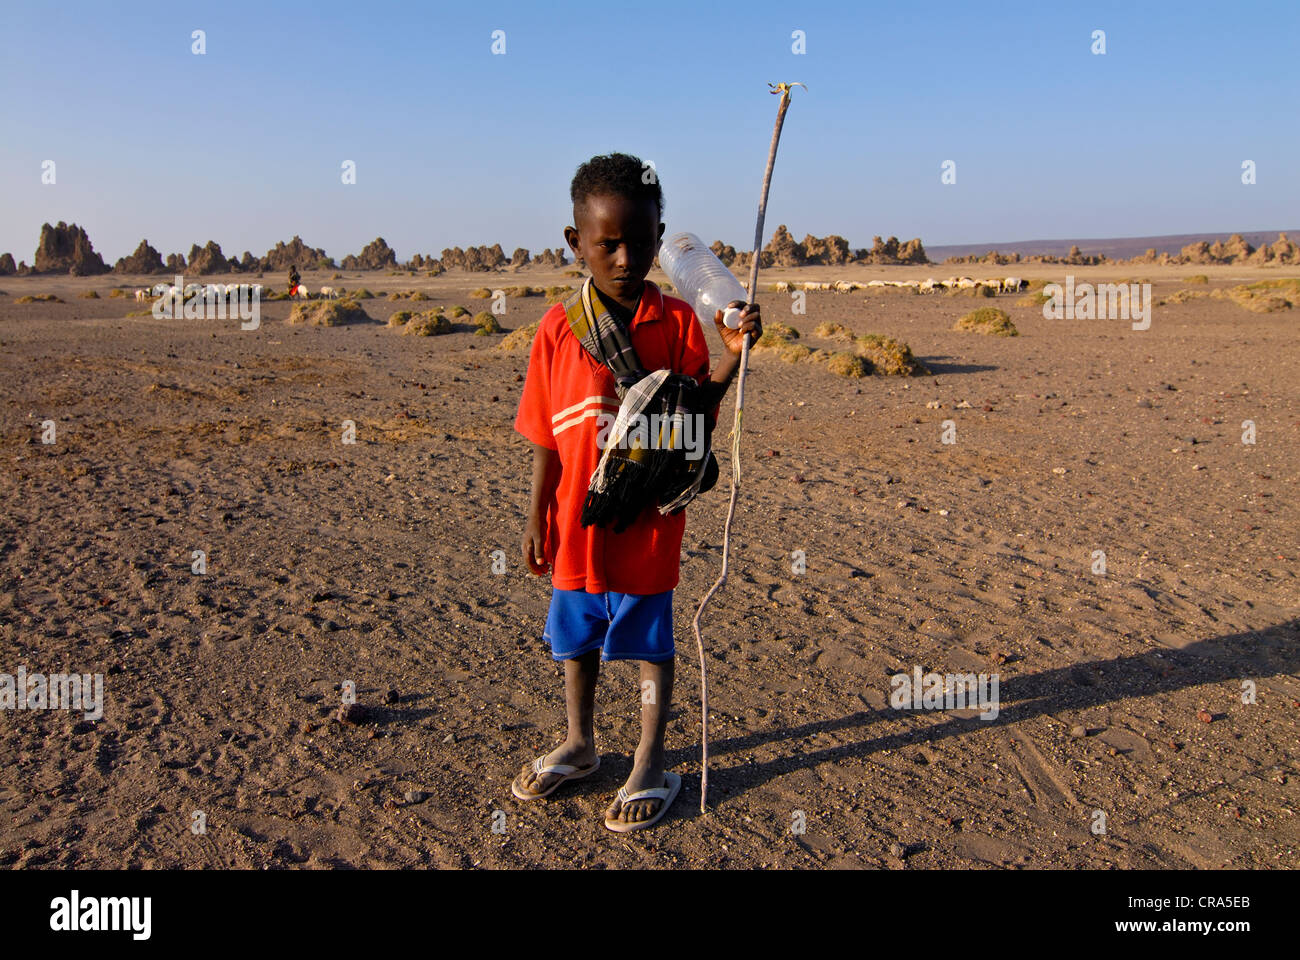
x,y
632,474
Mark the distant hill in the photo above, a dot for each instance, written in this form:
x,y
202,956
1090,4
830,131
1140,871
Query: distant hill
x,y
1116,248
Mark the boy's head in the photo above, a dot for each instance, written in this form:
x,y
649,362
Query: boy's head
x,y
617,211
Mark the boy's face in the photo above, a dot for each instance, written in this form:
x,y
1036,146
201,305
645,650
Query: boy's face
x,y
618,238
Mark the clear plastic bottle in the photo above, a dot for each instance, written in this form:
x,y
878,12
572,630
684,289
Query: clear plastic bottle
x,y
700,278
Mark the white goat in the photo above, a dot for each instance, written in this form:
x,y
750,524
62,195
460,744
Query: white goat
x,y
1013,284
301,293
328,293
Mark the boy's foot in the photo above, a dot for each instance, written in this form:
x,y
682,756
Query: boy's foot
x,y
637,811
630,803
531,784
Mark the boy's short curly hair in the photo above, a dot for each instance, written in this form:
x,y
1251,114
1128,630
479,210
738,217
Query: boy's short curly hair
x,y
619,174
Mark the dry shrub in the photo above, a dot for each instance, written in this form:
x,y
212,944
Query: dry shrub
x,y
481,293
1266,296
1037,283
396,295
362,294
39,298
574,273
419,295
399,318
1033,300
1198,278
833,331
114,294
521,338
888,356
1182,296
776,336
845,364
794,353
431,323
328,313
882,291
486,323
556,294
524,291
458,311
277,295
988,320
89,295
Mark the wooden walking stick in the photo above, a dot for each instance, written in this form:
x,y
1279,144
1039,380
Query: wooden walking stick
x,y
784,90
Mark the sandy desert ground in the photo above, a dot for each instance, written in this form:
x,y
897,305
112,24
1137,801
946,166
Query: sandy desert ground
x,y
373,562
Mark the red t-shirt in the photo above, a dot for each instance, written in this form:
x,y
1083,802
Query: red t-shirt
x,y
566,397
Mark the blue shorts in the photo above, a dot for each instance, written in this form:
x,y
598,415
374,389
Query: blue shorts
x,y
623,626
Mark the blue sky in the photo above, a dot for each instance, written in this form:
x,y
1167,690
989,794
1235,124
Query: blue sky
x,y
456,146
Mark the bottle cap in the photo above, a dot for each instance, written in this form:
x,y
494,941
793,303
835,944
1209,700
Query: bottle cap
x,y
731,318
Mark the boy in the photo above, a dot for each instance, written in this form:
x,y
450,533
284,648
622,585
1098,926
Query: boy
x,y
612,591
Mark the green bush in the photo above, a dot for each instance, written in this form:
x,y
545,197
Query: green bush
x,y
988,320
889,356
431,323
328,313
848,365
520,338
833,331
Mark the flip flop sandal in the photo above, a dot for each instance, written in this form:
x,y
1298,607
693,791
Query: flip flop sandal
x,y
541,768
667,793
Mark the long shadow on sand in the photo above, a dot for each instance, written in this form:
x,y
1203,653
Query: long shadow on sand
x,y
1256,655
938,367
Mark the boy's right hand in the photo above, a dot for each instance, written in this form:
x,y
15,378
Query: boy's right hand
x,y
534,547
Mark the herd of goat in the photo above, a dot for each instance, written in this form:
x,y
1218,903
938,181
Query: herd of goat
x,y
223,291
1007,285
227,291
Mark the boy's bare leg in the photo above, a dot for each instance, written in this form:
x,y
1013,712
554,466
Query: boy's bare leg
x,y
579,747
648,763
